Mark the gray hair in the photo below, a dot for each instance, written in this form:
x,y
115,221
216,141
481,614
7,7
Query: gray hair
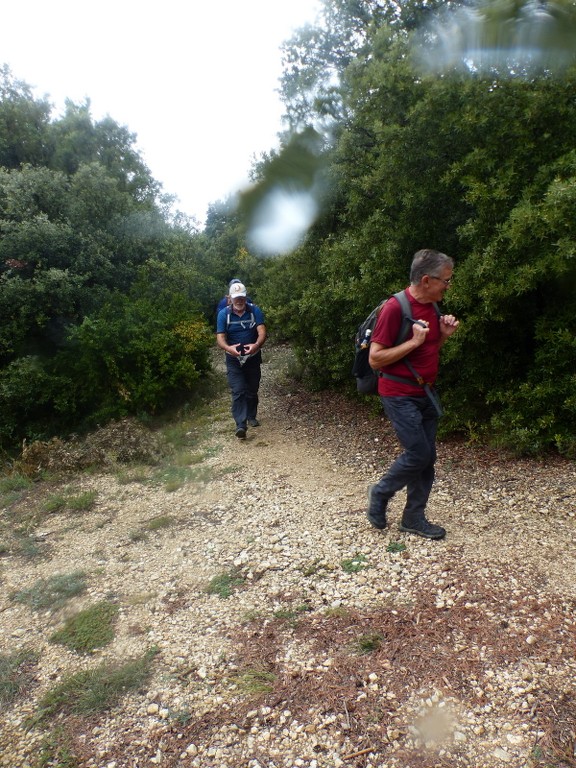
x,y
428,262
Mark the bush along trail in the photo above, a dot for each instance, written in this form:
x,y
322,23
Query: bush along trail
x,y
177,597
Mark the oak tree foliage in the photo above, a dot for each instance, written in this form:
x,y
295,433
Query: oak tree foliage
x,y
103,299
477,164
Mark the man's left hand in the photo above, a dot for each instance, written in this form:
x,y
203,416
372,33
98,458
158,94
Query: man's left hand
x,y
448,325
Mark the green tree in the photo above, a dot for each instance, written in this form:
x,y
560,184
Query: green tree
x,y
77,140
100,290
24,123
481,168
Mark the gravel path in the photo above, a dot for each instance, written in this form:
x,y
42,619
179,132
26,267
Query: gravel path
x,y
339,645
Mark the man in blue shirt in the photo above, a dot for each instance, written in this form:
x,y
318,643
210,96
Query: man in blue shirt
x,y
240,332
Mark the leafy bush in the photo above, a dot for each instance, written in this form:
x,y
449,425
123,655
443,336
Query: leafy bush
x,y
134,356
101,287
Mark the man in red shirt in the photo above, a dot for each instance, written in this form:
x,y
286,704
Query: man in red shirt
x,y
412,407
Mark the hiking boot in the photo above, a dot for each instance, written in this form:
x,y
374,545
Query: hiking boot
x,y
376,512
253,423
241,432
424,528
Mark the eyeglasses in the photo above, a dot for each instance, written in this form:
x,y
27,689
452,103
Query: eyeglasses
x,y
446,282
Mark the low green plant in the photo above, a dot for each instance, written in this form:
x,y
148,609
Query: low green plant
x,y
200,456
137,474
89,629
368,643
186,434
141,598
396,546
313,568
76,503
12,488
53,592
14,482
25,545
292,614
137,536
9,498
255,682
253,615
182,717
57,749
355,564
157,523
15,674
537,753
82,502
224,584
174,477
54,503
95,690
180,435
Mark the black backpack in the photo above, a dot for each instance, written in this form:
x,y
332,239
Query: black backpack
x,y
366,377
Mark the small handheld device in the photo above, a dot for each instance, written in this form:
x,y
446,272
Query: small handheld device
x,y
242,356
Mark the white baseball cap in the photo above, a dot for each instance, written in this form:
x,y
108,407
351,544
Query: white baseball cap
x,y
238,289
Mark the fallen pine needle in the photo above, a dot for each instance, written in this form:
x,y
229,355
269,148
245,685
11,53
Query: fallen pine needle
x,y
357,754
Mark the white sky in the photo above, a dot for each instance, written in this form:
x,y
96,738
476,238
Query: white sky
x,y
194,80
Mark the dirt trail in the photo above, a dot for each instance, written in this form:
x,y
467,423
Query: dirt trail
x,y
378,649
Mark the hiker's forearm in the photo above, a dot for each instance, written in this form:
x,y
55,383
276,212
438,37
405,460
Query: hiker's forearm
x,y
381,356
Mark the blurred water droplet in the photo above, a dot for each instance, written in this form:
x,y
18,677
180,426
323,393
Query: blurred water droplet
x,y
281,221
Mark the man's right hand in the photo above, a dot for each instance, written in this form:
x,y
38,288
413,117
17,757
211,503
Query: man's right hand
x,y
420,329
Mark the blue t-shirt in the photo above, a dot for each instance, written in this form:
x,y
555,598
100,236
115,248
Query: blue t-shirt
x,y
240,330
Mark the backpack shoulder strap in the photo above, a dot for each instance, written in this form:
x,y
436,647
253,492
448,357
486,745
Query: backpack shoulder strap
x,y
252,315
407,318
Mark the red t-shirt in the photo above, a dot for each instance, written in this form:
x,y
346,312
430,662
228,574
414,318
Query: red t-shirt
x,y
424,358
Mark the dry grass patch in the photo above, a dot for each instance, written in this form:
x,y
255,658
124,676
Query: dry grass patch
x,y
92,691
123,442
52,593
17,671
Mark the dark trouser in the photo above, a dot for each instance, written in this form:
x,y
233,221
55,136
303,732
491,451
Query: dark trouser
x,y
415,421
244,382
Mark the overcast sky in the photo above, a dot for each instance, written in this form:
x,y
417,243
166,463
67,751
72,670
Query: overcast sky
x,y
194,80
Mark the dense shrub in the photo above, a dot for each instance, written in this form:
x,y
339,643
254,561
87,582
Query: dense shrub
x,y
134,356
